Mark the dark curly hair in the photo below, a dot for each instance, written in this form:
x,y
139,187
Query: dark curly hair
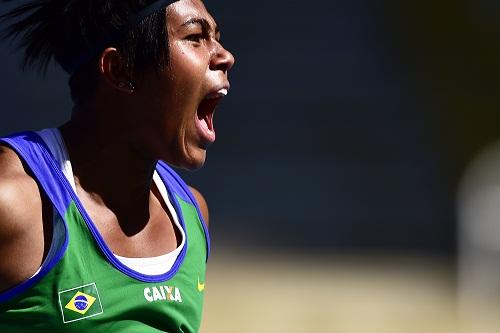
x,y
73,33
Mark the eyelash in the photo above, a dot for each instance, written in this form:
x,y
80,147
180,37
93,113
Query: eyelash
x,y
195,37
198,37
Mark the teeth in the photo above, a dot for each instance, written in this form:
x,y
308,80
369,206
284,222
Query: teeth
x,y
219,93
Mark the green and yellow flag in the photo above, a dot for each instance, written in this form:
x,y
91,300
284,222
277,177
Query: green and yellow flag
x,y
80,303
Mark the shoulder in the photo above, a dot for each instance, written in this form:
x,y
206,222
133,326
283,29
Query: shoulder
x,y
17,188
20,207
182,188
202,203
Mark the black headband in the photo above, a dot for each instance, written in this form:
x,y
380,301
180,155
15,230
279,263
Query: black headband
x,y
73,64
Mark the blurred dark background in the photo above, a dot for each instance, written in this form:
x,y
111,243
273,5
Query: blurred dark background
x,y
347,126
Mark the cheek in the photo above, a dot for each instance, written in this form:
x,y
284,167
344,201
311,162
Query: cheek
x,y
189,64
189,79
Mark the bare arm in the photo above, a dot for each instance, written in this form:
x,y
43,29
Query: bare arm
x,y
201,203
21,226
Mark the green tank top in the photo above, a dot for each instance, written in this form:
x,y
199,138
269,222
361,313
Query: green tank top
x,y
84,288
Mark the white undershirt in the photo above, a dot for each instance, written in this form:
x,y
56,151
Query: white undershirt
x,y
149,266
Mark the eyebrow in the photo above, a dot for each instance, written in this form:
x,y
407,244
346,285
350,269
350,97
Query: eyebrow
x,y
201,21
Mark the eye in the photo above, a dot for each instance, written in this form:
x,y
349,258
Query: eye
x,y
194,37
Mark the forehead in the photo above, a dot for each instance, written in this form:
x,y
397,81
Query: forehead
x,y
181,11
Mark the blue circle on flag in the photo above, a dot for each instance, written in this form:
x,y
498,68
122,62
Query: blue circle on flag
x,y
81,302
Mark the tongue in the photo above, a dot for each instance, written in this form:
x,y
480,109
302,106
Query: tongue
x,y
204,121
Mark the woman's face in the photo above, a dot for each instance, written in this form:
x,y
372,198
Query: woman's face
x,y
179,103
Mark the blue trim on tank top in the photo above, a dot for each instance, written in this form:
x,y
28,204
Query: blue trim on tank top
x,y
109,254
50,160
24,150
188,198
116,263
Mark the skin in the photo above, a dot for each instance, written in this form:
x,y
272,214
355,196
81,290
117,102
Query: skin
x,y
118,134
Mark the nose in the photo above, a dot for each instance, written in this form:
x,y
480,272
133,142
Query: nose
x,y
222,59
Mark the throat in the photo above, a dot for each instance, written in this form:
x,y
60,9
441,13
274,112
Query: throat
x,y
127,213
130,231
114,182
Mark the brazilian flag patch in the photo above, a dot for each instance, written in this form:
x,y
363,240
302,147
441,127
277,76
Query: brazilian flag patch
x,y
80,303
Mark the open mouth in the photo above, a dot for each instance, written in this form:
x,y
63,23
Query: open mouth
x,y
205,115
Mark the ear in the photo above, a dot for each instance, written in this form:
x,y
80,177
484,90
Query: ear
x,y
114,71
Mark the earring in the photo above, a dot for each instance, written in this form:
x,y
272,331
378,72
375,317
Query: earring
x,y
128,84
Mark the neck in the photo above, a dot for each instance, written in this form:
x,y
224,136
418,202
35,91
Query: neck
x,y
108,165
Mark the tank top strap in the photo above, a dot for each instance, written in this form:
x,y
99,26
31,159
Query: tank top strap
x,y
33,151
180,189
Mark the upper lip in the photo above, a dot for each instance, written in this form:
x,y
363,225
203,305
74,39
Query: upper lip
x,y
214,93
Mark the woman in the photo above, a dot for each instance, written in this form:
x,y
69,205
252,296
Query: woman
x,y
96,231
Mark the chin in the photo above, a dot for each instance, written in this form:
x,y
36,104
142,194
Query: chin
x,y
194,166
193,161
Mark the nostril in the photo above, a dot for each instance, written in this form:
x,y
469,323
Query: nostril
x,y
223,60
